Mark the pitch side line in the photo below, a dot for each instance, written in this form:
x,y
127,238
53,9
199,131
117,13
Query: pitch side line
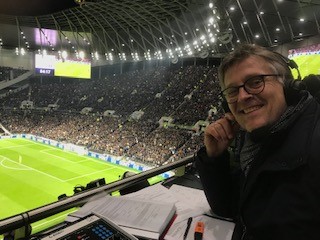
x,y
88,174
65,152
85,158
24,145
62,158
41,144
53,147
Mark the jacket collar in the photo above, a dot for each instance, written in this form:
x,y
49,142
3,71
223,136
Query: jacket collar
x,y
284,151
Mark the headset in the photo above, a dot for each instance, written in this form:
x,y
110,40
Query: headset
x,y
292,87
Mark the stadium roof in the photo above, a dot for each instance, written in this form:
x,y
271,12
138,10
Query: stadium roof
x,y
140,29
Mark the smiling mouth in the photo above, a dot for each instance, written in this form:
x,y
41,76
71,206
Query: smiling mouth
x,y
251,109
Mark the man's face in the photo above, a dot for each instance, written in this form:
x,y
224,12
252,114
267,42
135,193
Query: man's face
x,y
255,111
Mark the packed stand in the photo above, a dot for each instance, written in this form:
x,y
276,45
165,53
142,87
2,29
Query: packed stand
x,y
159,92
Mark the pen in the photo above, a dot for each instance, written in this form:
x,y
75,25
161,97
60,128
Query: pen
x,y
198,231
187,229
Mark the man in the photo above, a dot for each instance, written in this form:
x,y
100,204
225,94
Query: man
x,y
270,183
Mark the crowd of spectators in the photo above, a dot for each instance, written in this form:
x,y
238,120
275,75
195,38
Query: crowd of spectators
x,y
313,49
185,94
5,73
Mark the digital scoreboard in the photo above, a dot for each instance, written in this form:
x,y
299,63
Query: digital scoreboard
x,y
50,65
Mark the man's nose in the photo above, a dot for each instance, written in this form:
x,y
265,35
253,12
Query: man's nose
x,y
243,94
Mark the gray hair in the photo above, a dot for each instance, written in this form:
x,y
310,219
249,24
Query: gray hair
x,y
243,51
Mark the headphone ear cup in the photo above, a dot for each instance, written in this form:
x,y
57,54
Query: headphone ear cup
x,y
292,89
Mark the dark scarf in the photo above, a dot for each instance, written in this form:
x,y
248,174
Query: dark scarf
x,y
253,140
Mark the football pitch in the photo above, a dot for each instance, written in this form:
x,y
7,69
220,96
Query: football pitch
x,y
33,174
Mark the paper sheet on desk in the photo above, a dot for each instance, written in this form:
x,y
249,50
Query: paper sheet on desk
x,y
214,229
189,202
155,192
194,198
137,213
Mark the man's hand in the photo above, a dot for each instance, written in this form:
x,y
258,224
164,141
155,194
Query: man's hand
x,y
219,135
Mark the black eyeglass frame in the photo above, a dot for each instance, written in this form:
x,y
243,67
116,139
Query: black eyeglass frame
x,y
236,88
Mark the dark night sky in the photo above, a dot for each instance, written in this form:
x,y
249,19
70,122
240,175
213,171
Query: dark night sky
x,y
34,7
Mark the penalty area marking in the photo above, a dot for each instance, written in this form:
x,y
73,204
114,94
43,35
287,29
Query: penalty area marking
x,y
27,168
24,167
88,174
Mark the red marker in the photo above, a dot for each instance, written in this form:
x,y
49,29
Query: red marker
x,y
198,231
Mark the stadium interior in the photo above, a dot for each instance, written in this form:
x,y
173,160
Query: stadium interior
x,y
131,84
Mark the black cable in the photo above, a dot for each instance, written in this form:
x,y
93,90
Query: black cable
x,y
27,226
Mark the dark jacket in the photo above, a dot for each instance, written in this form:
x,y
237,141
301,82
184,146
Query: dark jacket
x,y
280,197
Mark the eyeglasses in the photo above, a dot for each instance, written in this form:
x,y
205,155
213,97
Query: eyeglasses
x,y
253,85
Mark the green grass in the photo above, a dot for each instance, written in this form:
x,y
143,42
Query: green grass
x,y
308,64
34,174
